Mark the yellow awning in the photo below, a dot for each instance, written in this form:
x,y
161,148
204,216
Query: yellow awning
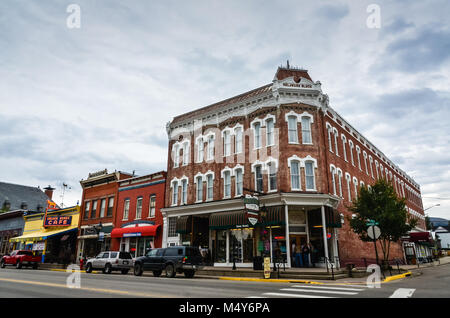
x,y
36,236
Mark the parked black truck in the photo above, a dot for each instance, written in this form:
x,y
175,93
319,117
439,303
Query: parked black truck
x,y
173,260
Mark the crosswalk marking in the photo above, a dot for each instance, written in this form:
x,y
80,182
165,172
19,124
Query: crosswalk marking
x,y
319,291
296,295
403,293
326,287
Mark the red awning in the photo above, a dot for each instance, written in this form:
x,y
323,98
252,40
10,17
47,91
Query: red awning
x,y
419,237
135,231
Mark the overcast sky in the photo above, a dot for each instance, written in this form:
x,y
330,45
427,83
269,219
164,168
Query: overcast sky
x,y
79,100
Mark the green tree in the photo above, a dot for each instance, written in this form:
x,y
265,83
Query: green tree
x,y
381,204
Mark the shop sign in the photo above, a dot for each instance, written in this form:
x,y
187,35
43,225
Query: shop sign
x,y
90,231
101,236
252,218
58,221
251,203
39,246
132,234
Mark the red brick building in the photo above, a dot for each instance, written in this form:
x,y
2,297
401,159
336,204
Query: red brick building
x,y
138,220
284,142
98,206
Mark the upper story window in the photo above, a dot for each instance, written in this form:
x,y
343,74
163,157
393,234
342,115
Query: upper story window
x,y
102,208
292,129
309,175
139,208
333,178
365,161
295,175
355,184
258,178
94,209
339,173
376,169
306,130
238,140
176,150
239,177
349,188
200,149
184,186
174,192
350,144
272,176
330,131
152,206
209,186
185,153
126,209
344,142
226,143
86,209
336,134
370,164
358,151
227,184
270,128
109,212
199,182
210,147
257,132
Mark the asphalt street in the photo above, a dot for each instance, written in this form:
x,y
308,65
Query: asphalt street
x,y
434,282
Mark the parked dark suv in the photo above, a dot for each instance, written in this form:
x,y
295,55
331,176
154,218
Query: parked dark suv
x,y
173,260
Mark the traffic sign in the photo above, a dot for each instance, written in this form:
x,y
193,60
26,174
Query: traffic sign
x,y
374,232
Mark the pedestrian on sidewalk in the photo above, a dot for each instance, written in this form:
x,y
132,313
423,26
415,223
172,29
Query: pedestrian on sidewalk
x,y
305,252
298,256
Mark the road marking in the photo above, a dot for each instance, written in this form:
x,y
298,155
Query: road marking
x,y
295,295
326,287
98,290
403,293
319,291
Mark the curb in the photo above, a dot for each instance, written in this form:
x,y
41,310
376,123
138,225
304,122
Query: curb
x,y
395,277
71,271
270,280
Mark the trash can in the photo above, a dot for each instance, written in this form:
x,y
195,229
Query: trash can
x,y
258,263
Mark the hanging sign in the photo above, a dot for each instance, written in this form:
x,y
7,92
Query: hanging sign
x,y
251,203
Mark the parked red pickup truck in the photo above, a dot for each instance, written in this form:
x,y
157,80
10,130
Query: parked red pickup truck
x,y
20,258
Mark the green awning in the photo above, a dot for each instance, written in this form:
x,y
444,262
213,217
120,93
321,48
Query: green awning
x,y
228,220
274,216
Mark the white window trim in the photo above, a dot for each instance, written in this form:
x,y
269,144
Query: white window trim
x,y
142,201
340,177
286,117
351,146
238,167
199,175
267,118
365,161
252,127
330,131
229,132
200,140
267,165
349,186
358,152
311,121
241,127
212,180
173,191
222,174
299,161
344,142
333,178
336,137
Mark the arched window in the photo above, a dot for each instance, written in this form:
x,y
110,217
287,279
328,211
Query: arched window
x,y
174,186
330,131
349,189
295,174
371,168
226,175
226,143
271,166
199,185
350,144
336,135
365,162
355,184
239,177
339,173
209,186
257,134
210,147
333,178
310,179
344,142
270,128
200,149
358,151
238,140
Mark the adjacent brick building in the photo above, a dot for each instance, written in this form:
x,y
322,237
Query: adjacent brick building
x,y
284,143
138,220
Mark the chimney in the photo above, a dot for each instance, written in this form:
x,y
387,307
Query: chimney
x,y
49,191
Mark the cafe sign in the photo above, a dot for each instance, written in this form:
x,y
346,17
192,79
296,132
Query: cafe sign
x,y
58,221
252,206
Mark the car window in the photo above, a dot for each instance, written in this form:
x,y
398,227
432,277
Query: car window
x,y
124,255
105,255
174,252
114,254
100,255
160,252
25,253
13,253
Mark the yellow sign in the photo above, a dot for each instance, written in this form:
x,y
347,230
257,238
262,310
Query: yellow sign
x,y
266,267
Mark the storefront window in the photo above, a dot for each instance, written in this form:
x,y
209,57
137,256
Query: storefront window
x,y
278,244
235,250
221,246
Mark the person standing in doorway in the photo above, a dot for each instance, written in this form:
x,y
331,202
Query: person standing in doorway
x,y
298,256
293,252
305,253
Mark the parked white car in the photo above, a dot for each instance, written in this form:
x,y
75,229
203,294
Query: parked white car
x,y
109,261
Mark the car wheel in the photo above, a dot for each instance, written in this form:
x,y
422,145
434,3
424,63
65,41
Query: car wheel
x,y
170,271
19,265
107,269
138,270
125,271
2,264
89,268
189,273
157,273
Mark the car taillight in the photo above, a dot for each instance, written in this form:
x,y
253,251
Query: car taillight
x,y
184,259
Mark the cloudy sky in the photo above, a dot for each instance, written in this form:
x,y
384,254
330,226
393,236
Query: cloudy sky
x,y
79,100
